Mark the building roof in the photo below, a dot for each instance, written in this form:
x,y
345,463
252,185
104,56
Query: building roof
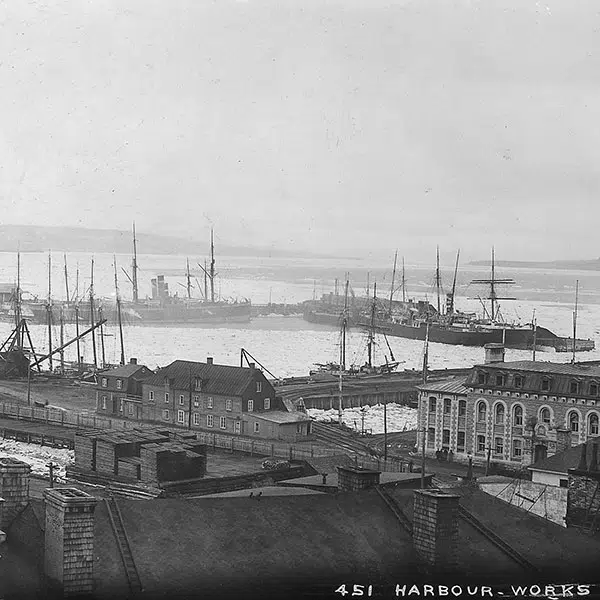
x,y
225,380
126,371
561,462
329,464
591,369
281,417
447,386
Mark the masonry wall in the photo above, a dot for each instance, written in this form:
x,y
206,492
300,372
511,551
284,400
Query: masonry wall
x,y
583,500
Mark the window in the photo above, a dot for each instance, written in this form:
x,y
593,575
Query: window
x,y
259,386
432,404
130,408
593,389
209,402
574,421
545,415
166,396
267,403
104,402
181,400
209,420
121,405
431,437
499,379
481,377
223,423
166,415
518,381
104,382
256,428
447,406
196,401
499,445
499,414
517,450
180,416
446,437
545,384
299,428
518,416
563,483
481,412
228,404
119,384
460,441
198,384
250,405
237,426
462,408
574,387
151,395
196,419
481,443
593,424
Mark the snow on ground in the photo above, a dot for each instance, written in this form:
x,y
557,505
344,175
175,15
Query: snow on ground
x,y
399,417
38,456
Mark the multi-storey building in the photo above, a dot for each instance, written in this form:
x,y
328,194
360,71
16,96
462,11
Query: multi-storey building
x,y
513,413
119,391
220,398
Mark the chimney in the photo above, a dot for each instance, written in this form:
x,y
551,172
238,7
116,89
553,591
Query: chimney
x,y
494,353
252,365
14,488
324,475
352,479
209,360
582,466
133,361
594,462
69,540
563,440
435,528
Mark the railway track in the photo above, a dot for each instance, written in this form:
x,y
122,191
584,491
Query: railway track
x,y
340,439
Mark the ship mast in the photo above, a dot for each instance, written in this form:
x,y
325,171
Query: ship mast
x,y
66,280
575,319
212,266
450,305
19,341
49,309
118,297
403,282
426,354
189,281
343,352
438,283
393,281
370,345
134,267
62,342
92,316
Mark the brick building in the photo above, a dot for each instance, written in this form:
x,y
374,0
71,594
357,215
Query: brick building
x,y
219,398
119,391
514,413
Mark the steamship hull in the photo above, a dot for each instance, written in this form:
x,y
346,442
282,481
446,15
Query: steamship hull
x,y
201,313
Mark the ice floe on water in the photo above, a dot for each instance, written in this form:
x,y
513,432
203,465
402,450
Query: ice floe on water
x,y
399,417
38,457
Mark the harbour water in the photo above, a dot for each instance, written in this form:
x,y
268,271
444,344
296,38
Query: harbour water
x,y
289,346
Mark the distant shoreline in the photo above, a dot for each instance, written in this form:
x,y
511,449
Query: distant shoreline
x,y
563,265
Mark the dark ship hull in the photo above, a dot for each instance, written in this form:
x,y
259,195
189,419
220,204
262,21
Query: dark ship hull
x,y
196,313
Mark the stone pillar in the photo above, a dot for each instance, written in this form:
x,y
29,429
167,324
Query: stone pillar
x,y
352,479
14,488
435,528
69,540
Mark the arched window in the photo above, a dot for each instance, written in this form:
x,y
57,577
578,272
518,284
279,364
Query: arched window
x,y
499,414
573,421
593,428
481,412
545,415
432,404
518,416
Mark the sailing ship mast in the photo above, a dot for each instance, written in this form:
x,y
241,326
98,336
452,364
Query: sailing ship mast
x,y
403,282
450,299
343,352
19,341
92,315
134,267
118,298
575,319
370,339
212,266
66,280
438,283
49,310
392,287
188,279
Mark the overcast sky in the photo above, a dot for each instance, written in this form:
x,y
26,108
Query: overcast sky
x,y
323,125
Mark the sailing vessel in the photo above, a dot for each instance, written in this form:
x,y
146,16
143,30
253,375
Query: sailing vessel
x,y
171,309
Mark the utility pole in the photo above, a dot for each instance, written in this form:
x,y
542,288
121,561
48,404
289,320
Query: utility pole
x,y
534,325
28,379
384,427
135,269
424,432
487,462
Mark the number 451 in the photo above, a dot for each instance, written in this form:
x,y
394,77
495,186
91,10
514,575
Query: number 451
x,y
357,590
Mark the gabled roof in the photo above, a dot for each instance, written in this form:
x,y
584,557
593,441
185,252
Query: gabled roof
x,y
127,371
222,380
569,459
456,385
